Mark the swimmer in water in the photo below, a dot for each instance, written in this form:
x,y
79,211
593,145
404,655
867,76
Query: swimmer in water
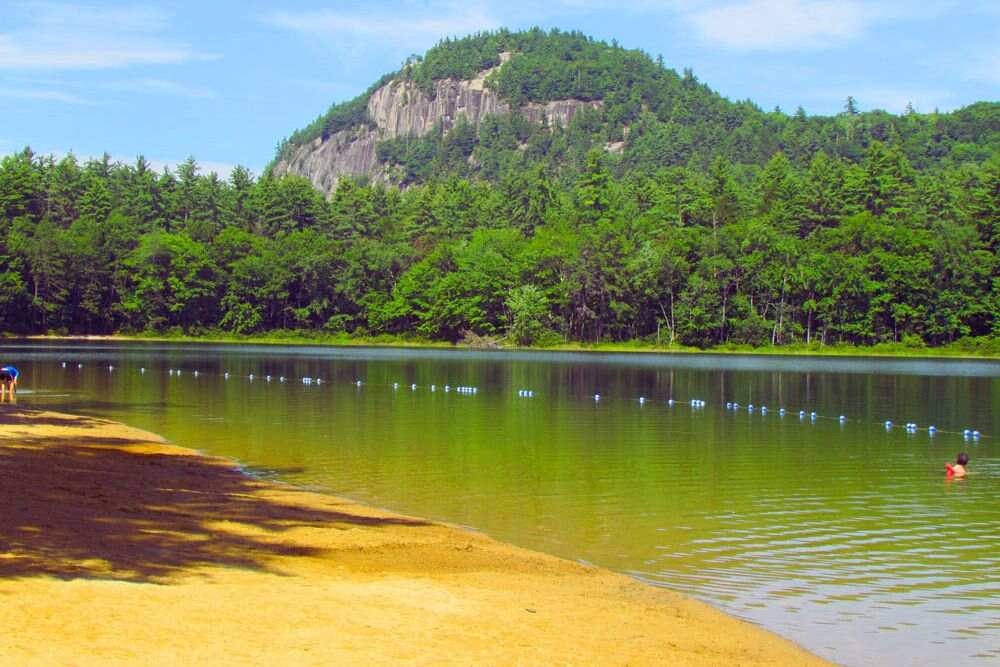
x,y
957,470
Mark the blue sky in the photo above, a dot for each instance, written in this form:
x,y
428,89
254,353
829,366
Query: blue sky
x,y
224,81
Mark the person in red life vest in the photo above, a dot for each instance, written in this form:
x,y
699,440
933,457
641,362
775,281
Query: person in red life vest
x,y
956,470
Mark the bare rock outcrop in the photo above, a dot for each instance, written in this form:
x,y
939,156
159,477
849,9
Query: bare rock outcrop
x,y
401,109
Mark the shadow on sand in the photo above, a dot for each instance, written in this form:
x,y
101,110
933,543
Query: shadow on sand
x,y
80,507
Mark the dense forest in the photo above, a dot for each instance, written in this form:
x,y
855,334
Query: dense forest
x,y
840,251
666,216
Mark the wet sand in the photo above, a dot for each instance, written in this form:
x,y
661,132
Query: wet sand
x,y
117,548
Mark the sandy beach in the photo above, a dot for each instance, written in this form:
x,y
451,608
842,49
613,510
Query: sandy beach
x,y
118,548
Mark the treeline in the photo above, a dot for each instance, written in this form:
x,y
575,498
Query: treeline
x,y
836,250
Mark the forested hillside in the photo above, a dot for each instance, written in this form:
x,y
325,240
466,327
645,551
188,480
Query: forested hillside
x,y
651,117
669,215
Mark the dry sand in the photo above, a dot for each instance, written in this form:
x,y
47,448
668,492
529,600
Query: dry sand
x,y
117,548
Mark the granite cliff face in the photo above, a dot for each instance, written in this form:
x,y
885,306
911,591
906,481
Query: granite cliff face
x,y
401,109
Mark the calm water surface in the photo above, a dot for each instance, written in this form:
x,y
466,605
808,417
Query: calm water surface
x,y
843,537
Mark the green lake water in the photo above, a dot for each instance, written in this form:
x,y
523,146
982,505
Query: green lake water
x,y
844,537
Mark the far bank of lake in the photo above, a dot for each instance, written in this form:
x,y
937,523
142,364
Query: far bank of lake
x,y
975,348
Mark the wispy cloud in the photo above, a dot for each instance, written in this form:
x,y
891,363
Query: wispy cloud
x,y
891,98
161,87
223,169
74,37
413,27
984,66
42,95
782,24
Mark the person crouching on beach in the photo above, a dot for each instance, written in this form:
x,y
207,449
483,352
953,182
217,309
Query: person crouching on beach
x,y
957,469
8,381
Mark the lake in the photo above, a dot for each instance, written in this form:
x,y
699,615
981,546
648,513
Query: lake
x,y
843,536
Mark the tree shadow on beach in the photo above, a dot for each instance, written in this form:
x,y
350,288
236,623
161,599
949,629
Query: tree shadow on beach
x,y
85,508
14,416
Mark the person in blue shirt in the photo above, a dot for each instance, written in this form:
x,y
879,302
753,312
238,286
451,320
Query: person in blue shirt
x,y
8,381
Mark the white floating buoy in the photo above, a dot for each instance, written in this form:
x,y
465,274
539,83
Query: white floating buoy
x,y
357,383
395,385
64,364
413,387
433,388
842,419
251,377
975,434
736,405
447,388
781,412
196,373
319,380
281,378
79,365
267,378
111,368
670,402
763,409
931,430
812,415
307,380
888,423
642,399
597,397
142,370
225,375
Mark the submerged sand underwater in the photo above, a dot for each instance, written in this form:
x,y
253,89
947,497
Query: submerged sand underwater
x,y
120,548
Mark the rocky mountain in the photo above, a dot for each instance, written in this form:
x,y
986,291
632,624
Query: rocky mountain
x,y
400,108
496,102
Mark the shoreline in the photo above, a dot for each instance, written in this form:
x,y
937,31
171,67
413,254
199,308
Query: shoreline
x,y
884,351
125,548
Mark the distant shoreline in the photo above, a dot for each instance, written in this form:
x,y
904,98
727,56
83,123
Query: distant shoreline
x,y
177,557
883,350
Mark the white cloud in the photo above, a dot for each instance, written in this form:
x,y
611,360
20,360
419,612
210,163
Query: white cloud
x,y
394,29
42,95
74,37
161,87
893,99
223,169
985,66
782,24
